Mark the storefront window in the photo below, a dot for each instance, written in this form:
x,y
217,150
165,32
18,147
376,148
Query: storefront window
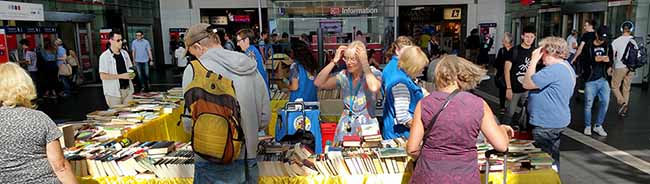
x,y
617,15
423,22
551,24
340,21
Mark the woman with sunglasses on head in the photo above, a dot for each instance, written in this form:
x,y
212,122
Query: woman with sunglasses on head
x,y
357,83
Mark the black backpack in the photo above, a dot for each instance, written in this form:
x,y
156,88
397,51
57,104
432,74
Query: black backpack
x,y
634,56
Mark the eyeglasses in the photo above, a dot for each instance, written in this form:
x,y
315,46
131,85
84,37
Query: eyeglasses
x,y
239,40
117,41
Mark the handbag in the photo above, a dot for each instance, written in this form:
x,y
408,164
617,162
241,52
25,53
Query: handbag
x,y
433,121
65,69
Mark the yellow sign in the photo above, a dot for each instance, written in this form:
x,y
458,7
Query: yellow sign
x,y
453,14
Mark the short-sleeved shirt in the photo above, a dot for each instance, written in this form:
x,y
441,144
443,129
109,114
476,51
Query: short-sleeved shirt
x,y
60,52
362,105
24,135
520,60
141,48
570,41
107,64
549,105
598,70
619,46
588,38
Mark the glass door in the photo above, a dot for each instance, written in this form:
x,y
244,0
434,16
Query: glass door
x,y
148,35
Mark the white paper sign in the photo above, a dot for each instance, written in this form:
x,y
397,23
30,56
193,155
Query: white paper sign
x,y
21,11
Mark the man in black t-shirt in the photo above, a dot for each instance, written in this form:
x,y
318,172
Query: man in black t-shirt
x,y
598,62
586,40
514,71
115,72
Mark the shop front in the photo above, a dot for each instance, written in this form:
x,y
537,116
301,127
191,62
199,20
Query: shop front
x,y
338,22
232,20
448,22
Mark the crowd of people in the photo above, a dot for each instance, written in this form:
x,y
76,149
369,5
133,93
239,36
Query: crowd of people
x,y
442,126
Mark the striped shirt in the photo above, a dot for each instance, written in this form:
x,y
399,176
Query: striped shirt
x,y
402,101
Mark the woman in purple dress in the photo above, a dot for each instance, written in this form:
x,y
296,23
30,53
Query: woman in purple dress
x,y
448,153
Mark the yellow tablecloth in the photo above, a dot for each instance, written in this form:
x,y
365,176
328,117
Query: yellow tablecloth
x,y
545,176
133,180
164,128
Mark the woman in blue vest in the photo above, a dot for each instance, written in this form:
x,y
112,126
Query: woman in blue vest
x,y
303,71
357,84
402,93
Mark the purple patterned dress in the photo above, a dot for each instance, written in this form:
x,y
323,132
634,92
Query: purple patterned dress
x,y
449,154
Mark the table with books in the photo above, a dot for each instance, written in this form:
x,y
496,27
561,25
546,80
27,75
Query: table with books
x,y
388,164
142,142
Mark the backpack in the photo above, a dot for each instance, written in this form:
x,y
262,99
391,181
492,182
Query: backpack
x,y
634,56
217,134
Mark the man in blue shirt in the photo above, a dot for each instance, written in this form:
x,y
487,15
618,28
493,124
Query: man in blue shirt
x,y
244,38
551,91
141,51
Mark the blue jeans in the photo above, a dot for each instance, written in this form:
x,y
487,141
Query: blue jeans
x,y
206,172
601,89
143,73
548,140
67,85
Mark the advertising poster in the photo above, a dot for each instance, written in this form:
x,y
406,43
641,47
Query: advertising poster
x,y
489,30
4,52
103,38
84,49
12,41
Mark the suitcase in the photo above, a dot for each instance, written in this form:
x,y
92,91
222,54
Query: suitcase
x,y
487,164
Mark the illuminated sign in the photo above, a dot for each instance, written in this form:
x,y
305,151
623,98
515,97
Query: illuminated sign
x,y
452,14
242,18
352,11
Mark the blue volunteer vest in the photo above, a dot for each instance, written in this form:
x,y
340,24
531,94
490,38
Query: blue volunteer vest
x,y
260,64
393,77
306,88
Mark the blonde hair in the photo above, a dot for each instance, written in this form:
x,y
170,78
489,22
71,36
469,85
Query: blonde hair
x,y
454,69
555,46
16,87
508,36
412,60
353,46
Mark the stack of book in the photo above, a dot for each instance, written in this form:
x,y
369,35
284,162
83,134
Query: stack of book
x,y
279,95
329,94
119,158
523,156
300,161
371,136
294,161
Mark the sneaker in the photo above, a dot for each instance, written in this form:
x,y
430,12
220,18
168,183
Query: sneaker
x,y
587,131
581,91
600,131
